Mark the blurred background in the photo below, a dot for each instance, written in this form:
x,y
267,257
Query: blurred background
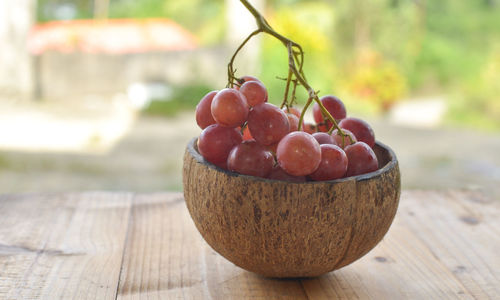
x,y
100,95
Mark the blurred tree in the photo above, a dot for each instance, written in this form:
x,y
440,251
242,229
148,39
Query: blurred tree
x,y
429,47
101,9
205,18
377,80
48,10
309,23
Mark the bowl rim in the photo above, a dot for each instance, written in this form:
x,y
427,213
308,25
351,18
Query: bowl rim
x,y
386,168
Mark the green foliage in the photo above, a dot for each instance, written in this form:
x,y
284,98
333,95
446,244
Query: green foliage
x,y
462,51
423,47
4,162
477,103
46,9
308,24
331,64
444,47
206,19
376,80
183,98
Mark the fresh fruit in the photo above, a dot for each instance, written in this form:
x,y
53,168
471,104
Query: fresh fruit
x,y
268,129
324,138
244,79
334,106
298,153
361,130
309,128
361,159
245,134
204,111
278,174
333,163
229,108
250,158
255,92
273,147
293,121
267,123
292,110
247,78
216,141
342,141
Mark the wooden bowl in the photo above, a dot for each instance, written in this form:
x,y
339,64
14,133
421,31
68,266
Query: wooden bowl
x,y
284,229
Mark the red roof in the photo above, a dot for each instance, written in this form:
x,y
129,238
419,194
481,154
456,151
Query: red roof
x,y
114,36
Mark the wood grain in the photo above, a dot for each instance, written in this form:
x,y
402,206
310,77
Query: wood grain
x,y
68,246
166,258
442,245
467,240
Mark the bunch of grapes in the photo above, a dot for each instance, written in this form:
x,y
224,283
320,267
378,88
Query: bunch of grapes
x,y
244,133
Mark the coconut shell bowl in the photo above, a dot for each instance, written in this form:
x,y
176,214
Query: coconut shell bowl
x,y
287,229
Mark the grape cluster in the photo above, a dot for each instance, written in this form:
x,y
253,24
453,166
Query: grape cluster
x,y
244,133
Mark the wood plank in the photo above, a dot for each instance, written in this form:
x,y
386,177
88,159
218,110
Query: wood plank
x,y
104,245
461,229
166,258
376,276
26,224
68,246
400,267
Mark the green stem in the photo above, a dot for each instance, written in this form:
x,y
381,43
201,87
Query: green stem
x,y
287,88
292,101
230,70
294,58
302,114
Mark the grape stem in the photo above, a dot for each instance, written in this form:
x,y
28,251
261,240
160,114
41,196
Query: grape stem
x,y
296,75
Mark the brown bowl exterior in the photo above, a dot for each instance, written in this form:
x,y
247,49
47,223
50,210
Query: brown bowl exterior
x,y
285,229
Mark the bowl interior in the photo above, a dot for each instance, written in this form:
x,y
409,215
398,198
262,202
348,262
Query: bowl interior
x,y
386,160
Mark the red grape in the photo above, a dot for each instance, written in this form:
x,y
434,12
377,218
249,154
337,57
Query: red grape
x,y
278,174
333,105
322,127
324,138
309,128
216,141
222,165
246,78
361,159
273,147
246,134
267,123
298,153
292,110
255,92
346,141
293,120
229,108
333,163
361,130
250,158
204,112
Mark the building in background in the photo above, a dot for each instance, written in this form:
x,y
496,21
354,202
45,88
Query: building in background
x,y
17,65
70,59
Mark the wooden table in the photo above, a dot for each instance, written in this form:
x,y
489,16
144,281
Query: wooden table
x,y
119,245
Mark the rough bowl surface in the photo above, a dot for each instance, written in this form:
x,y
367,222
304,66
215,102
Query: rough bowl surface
x,y
283,229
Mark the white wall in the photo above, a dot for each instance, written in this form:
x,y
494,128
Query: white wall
x,y
16,72
240,24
